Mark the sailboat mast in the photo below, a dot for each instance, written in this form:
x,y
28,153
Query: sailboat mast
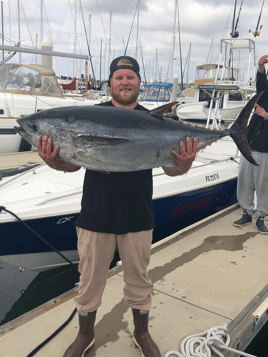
x,y
89,29
137,38
41,22
100,60
173,40
187,65
2,22
75,36
109,58
156,64
143,63
19,27
179,30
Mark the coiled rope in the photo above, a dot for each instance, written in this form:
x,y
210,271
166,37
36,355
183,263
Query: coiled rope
x,y
204,344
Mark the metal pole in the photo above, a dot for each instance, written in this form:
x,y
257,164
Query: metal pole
x,y
19,27
173,40
156,64
43,52
86,78
89,29
110,43
9,21
36,44
137,39
2,19
41,23
75,35
100,60
174,93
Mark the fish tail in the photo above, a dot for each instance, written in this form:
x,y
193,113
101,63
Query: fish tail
x,y
238,130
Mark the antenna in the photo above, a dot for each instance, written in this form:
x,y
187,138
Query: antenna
x,y
235,33
257,32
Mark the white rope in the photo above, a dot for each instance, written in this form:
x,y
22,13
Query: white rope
x,y
205,343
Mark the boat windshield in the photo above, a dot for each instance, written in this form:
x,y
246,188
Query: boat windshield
x,y
156,93
47,85
5,72
19,79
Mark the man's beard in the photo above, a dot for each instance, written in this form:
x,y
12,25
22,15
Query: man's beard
x,y
125,100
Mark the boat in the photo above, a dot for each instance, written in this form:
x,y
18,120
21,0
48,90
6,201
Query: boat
x,y
49,201
218,93
159,93
25,89
218,100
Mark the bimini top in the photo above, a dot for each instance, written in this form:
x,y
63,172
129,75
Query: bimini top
x,y
29,79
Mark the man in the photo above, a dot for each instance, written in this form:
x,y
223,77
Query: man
x,y
116,208
253,180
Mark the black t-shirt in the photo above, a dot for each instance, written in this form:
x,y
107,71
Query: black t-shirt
x,y
258,126
117,202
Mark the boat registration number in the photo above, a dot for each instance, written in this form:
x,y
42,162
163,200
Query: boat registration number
x,y
212,177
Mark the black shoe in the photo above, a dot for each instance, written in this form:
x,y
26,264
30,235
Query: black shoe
x,y
246,219
260,224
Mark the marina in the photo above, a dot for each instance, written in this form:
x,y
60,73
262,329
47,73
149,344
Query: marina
x,y
208,274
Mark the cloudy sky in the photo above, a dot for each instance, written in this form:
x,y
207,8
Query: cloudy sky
x,y
203,23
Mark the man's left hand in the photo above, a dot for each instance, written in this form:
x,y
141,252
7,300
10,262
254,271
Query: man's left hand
x,y
260,111
185,159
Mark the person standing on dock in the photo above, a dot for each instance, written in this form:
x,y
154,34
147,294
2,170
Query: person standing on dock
x,y
253,180
116,209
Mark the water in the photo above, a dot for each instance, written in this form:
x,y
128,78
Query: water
x,y
24,291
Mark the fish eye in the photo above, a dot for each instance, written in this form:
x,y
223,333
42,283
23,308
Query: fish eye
x,y
34,127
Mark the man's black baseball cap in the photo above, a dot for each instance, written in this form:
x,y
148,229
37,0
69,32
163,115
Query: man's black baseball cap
x,y
114,65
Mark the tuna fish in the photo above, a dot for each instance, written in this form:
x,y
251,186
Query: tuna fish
x,y
112,139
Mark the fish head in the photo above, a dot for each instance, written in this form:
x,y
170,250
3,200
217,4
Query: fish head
x,y
58,129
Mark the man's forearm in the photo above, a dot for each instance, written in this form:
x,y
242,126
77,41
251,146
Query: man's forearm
x,y
174,170
62,165
67,166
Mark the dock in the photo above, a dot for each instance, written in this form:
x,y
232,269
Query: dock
x,y
208,274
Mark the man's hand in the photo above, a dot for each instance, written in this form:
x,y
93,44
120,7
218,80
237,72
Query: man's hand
x,y
184,160
51,158
261,63
260,111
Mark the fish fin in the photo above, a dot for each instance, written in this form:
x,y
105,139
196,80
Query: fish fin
x,y
162,109
92,140
238,130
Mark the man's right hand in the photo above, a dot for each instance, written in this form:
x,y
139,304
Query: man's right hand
x,y
44,148
51,158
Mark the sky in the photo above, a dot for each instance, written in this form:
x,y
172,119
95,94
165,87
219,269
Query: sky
x,y
101,25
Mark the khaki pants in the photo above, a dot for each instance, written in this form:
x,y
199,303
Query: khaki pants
x,y
96,251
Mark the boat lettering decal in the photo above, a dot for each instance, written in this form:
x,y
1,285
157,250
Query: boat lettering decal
x,y
191,206
212,177
64,219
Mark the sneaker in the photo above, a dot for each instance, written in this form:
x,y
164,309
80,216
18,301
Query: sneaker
x,y
261,226
246,219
